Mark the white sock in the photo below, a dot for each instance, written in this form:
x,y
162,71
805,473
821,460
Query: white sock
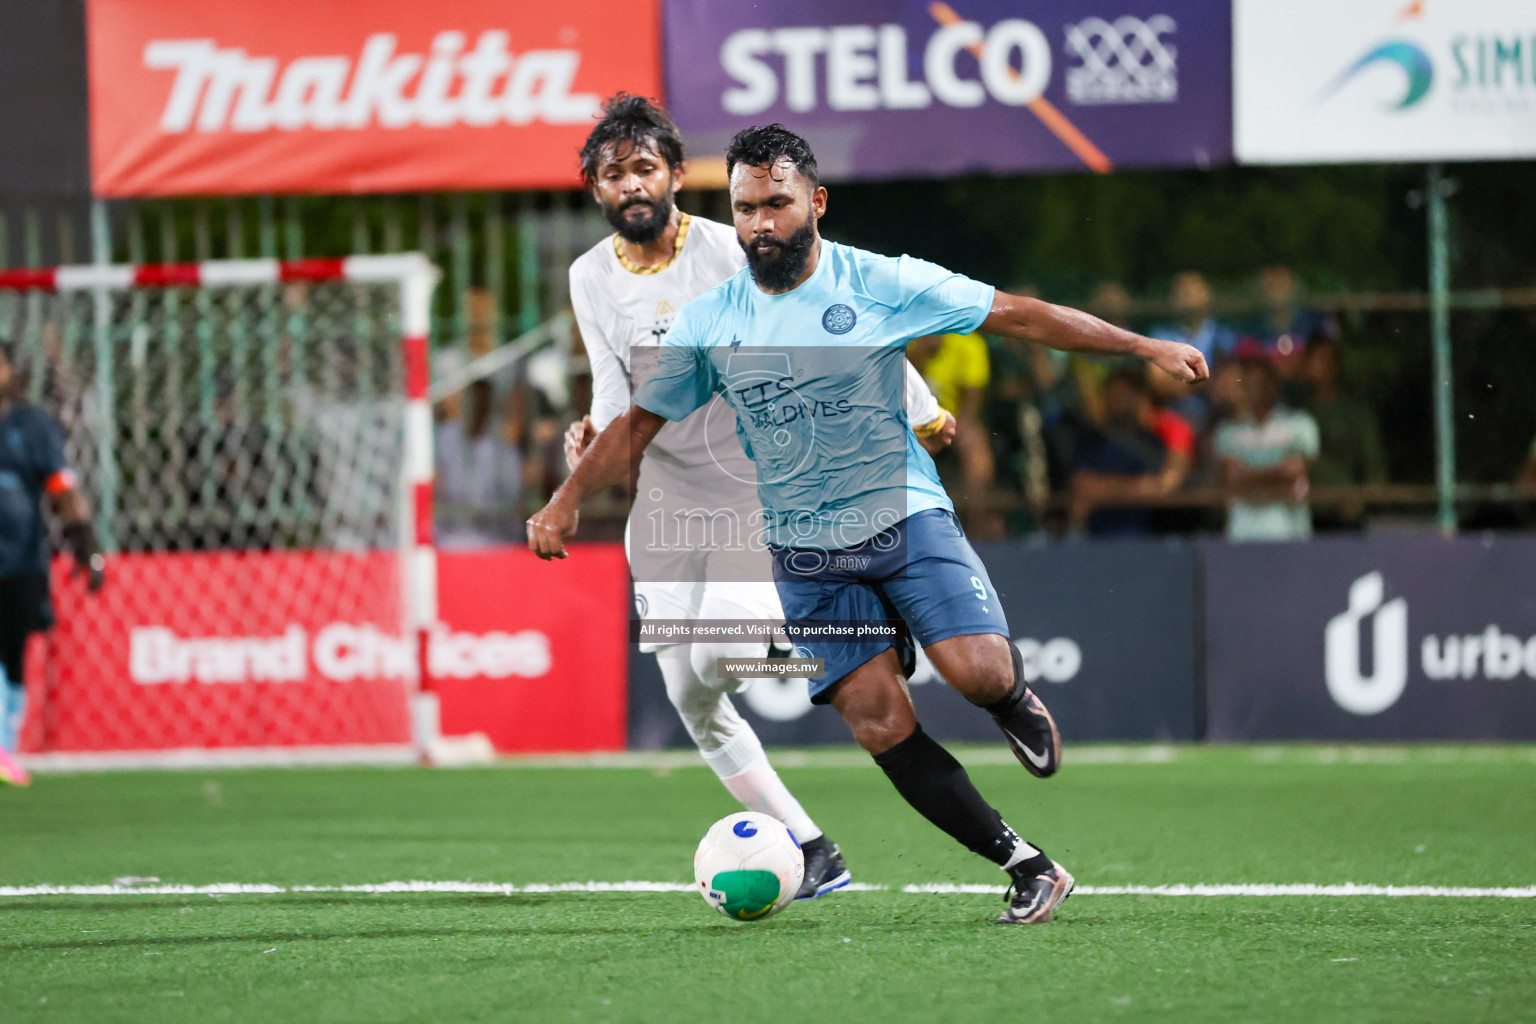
x,y
13,704
728,744
1022,852
744,770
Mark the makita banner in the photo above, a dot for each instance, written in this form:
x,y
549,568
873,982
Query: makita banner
x,y
892,88
532,653
1106,630
189,97
1417,638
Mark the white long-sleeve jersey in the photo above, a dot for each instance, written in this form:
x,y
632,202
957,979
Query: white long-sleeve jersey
x,y
625,310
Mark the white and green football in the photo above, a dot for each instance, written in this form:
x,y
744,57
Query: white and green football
x,y
749,866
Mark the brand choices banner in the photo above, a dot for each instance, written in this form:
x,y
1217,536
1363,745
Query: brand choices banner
x,y
1107,632
533,653
892,88
191,97
1321,81
282,649
1386,639
221,650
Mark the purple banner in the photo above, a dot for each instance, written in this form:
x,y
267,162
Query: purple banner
x,y
893,88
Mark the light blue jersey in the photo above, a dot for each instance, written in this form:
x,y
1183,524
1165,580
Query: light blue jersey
x,y
814,378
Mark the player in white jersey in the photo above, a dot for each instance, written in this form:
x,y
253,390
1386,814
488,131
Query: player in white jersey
x,y
806,346
626,290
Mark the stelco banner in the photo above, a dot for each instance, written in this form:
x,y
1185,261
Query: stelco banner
x,y
1387,639
1107,633
1321,81
190,97
888,88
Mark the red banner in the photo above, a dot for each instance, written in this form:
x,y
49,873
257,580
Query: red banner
x,y
191,97
223,650
278,649
534,654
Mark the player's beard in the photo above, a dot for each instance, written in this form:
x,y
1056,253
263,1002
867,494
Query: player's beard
x,y
646,229
779,269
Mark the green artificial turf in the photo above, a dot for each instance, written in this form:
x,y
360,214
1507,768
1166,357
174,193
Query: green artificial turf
x,y
1415,816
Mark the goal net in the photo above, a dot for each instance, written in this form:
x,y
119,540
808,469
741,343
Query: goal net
x,y
254,440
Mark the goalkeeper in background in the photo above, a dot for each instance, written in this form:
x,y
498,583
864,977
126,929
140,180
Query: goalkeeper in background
x,y
32,462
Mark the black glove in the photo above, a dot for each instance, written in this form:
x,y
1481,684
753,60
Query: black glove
x,y
81,538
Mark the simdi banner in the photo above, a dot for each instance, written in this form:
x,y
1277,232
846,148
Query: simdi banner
x,y
891,88
1319,81
191,97
1348,639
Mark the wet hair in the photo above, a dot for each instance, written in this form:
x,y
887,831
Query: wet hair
x,y
766,146
634,120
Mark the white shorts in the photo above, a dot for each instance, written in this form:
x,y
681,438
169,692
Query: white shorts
x,y
692,591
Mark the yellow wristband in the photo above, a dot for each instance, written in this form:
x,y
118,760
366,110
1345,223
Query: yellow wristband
x,y
927,430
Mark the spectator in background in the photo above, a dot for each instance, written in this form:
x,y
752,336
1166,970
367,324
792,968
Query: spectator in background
x,y
1266,452
958,370
479,474
1140,452
1284,328
1015,431
1525,479
1069,389
1195,324
1350,450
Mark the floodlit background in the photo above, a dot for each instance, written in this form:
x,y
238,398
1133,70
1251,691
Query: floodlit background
x,y
1334,201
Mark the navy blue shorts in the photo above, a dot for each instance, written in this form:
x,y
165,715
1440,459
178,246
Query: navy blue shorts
x,y
922,572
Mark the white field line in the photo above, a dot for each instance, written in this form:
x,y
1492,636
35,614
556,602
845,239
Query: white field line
x,y
935,888
835,757
974,755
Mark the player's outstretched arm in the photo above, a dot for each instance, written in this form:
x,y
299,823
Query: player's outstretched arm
x,y
604,464
1072,330
80,535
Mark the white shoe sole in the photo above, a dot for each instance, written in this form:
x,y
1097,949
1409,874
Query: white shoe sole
x,y
829,886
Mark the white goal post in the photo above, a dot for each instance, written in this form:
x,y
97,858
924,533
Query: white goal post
x,y
255,437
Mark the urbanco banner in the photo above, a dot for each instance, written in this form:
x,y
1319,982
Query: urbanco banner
x,y
1318,81
1410,638
893,88
1106,630
188,97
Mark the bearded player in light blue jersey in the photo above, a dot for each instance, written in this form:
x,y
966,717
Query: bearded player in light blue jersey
x,y
805,347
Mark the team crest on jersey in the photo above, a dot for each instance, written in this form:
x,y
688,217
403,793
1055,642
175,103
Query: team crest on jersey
x,y
664,308
839,319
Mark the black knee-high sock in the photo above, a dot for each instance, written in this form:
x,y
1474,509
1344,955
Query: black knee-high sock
x,y
930,779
